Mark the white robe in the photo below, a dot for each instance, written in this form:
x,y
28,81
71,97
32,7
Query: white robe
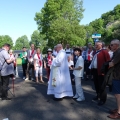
x,y
63,86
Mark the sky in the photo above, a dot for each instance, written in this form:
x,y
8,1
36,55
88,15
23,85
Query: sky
x,y
17,16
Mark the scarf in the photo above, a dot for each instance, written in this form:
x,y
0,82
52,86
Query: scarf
x,y
91,65
89,55
49,60
31,53
40,62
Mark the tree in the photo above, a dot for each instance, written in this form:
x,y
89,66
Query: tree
x,y
78,5
38,39
57,19
107,36
65,33
89,31
117,12
108,25
21,42
6,39
97,25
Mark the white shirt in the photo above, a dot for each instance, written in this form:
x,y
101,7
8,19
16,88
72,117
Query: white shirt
x,y
68,52
110,53
70,63
79,63
91,55
32,57
37,60
54,53
95,61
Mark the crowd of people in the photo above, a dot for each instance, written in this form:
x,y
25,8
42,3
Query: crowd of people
x,y
65,66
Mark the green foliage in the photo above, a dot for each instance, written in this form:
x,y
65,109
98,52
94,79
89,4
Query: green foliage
x,y
66,33
117,12
97,25
21,42
6,39
108,25
59,22
38,39
78,9
112,15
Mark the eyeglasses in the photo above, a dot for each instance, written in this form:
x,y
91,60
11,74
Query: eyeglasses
x,y
96,45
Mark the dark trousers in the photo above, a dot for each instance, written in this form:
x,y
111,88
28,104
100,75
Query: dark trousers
x,y
71,74
4,82
72,77
24,67
30,66
48,72
98,81
87,64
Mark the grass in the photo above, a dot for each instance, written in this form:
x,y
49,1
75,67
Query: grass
x,y
19,61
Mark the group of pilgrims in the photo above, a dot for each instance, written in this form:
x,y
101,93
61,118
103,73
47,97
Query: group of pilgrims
x,y
67,66
64,67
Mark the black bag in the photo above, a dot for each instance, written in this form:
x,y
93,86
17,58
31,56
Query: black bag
x,y
108,79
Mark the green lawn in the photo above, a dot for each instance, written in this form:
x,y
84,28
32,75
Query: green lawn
x,y
19,61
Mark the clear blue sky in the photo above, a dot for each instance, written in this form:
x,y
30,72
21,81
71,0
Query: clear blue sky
x,y
17,16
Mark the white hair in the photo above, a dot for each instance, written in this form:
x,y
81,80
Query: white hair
x,y
69,56
10,51
59,45
99,42
116,41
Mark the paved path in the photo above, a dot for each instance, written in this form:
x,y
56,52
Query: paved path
x,y
32,103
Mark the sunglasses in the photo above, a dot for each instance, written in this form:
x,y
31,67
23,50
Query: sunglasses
x,y
111,45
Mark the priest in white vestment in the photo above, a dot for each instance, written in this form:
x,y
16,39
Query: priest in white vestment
x,y
59,81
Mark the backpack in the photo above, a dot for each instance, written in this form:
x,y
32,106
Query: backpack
x,y
1,65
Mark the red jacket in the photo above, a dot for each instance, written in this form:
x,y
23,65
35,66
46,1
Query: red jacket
x,y
102,57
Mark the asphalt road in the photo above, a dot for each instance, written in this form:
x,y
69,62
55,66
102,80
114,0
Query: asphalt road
x,y
32,103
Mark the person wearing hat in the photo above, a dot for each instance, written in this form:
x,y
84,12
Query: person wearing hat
x,y
78,71
48,62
